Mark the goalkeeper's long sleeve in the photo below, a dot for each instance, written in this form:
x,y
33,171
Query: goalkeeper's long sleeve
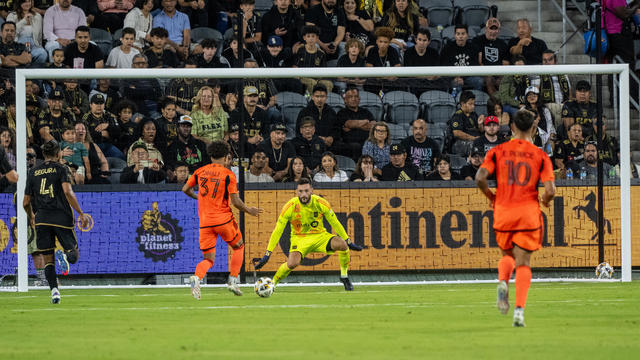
x,y
283,219
335,224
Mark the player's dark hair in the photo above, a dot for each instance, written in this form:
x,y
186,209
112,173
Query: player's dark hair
x,y
304,181
50,149
523,119
218,149
466,96
159,32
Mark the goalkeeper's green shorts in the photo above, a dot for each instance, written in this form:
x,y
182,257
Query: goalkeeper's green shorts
x,y
311,243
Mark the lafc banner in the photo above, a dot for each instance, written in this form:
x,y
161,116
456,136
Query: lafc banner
x,y
445,228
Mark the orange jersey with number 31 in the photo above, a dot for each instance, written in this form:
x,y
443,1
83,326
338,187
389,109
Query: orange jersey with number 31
x,y
519,166
215,183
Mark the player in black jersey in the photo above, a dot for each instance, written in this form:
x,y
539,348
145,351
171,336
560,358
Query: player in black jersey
x,y
48,201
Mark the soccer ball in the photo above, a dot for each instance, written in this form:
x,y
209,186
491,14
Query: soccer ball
x,y
264,287
604,271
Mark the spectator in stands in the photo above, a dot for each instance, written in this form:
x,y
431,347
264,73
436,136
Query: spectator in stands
x,y
196,10
181,172
251,25
187,149
183,90
462,52
282,21
128,125
588,167
112,14
443,170
234,142
331,23
8,144
153,140
143,92
491,51
581,110
257,171
296,170
555,90
97,161
465,122
494,107
310,56
546,131
421,150
404,19
364,170
8,119
76,99
614,14
279,151
103,127
524,44
352,58
359,25
82,53
29,29
355,122
610,152
143,170
168,120
232,55
223,12
570,151
121,57
74,153
398,168
177,24
327,127
308,145
51,121
89,7
157,54
12,54
266,93
209,120
275,56
60,23
489,139
422,55
468,172
255,124
381,55
209,58
112,98
511,90
329,171
378,145
140,19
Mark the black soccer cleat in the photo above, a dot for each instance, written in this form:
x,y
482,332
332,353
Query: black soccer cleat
x,y
348,286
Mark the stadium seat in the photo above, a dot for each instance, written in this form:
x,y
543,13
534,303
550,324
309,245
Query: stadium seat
x,y
398,132
457,162
116,37
438,12
436,39
372,102
461,147
437,106
262,6
506,34
335,101
481,101
290,105
103,39
472,12
346,163
401,107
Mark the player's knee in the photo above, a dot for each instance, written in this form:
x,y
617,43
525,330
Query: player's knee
x,y
339,244
293,263
72,256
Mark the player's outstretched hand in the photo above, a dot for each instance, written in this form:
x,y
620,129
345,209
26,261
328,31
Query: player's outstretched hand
x,y
84,221
262,262
254,211
353,246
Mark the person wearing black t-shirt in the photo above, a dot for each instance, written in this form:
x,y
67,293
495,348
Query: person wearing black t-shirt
x,y
422,55
326,123
491,51
279,151
581,110
352,58
308,145
468,172
443,170
382,55
464,122
421,150
359,24
310,56
355,122
282,21
157,55
255,124
404,23
82,54
398,168
526,45
462,52
490,138
332,24
6,170
274,55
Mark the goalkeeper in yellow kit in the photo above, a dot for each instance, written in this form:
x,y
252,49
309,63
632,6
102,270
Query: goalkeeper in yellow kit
x,y
305,212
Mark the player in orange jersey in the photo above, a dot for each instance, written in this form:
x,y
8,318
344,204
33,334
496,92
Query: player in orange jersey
x,y
216,186
519,167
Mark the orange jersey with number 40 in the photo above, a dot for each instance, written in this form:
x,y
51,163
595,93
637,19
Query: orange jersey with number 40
x,y
519,167
215,183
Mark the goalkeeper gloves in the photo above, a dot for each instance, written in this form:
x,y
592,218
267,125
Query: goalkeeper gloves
x,y
353,246
262,262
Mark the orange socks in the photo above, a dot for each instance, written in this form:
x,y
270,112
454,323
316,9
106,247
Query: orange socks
x,y
505,268
523,281
236,261
202,268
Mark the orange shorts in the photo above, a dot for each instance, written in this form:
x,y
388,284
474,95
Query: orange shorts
x,y
528,240
229,232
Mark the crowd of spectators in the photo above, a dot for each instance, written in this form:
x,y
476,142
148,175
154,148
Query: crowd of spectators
x,y
156,130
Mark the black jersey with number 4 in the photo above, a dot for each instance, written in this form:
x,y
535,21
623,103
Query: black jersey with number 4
x,y
44,185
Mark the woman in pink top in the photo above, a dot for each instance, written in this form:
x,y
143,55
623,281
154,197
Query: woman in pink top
x,y
112,13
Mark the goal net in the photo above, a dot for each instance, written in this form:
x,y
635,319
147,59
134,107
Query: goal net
x,y
405,226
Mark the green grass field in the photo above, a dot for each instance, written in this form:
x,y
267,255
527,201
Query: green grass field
x,y
564,321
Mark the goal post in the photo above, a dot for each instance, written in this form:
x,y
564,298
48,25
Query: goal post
x,y
622,70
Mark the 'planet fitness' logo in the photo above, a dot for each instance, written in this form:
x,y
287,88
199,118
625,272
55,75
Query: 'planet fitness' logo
x,y
159,235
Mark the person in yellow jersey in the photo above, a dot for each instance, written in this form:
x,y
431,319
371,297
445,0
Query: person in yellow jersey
x,y
305,213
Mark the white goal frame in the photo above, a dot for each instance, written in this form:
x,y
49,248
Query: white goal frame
x,y
622,70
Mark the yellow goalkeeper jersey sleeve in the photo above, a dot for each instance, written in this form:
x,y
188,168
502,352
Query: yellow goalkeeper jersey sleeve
x,y
306,219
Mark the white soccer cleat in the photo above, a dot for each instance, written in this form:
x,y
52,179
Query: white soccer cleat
x,y
55,296
232,285
518,317
194,281
503,297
